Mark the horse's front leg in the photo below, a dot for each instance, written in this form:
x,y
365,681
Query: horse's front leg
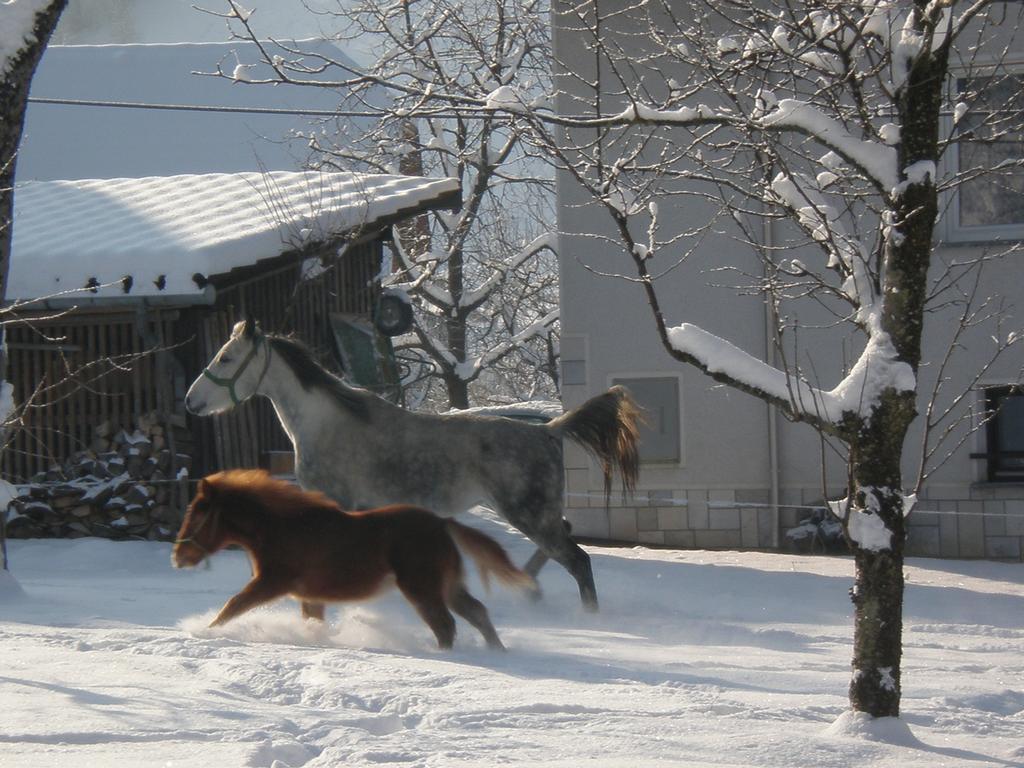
x,y
256,592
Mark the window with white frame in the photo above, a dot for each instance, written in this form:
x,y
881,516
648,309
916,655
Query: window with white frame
x,y
660,433
1004,434
988,158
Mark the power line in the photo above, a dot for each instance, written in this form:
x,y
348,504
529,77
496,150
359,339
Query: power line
x,y
464,113
482,111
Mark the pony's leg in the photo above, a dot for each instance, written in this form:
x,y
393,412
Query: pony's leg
x,y
312,610
438,618
473,611
256,592
427,601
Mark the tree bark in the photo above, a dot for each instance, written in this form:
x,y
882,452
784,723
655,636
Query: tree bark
x,y
14,88
455,331
415,232
876,449
458,392
878,583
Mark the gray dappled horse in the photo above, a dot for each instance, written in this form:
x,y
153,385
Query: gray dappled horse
x,y
363,451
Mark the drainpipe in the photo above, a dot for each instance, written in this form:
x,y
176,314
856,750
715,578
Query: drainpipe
x,y
771,357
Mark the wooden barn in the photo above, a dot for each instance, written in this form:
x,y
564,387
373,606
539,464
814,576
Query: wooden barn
x,y
124,288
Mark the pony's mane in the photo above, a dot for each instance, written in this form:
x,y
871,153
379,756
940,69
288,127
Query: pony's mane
x,y
311,374
278,497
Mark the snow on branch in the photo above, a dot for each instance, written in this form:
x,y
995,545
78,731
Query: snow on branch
x,y
821,221
479,295
470,369
18,29
419,274
876,371
877,161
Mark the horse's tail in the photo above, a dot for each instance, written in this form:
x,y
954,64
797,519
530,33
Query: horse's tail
x,y
490,557
606,426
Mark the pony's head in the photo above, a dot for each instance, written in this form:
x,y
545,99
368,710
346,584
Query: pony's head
x,y
234,374
202,531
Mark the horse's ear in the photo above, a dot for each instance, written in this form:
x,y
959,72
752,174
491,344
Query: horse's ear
x,y
239,329
249,330
206,489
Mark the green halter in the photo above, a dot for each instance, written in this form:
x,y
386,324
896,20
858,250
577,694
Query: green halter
x,y
229,382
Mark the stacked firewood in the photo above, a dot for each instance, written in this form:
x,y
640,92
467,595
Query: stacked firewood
x,y
127,485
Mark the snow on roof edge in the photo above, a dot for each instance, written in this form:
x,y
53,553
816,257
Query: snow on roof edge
x,y
161,232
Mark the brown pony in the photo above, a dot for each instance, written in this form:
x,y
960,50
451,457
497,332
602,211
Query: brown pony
x,y
302,544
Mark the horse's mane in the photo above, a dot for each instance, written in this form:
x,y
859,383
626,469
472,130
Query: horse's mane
x,y
311,374
278,497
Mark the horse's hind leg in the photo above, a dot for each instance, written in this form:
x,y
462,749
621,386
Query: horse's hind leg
x,y
555,542
473,611
577,562
427,601
439,619
538,559
312,610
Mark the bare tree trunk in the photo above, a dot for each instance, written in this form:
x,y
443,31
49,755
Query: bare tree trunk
x,y
878,583
458,392
455,330
876,448
415,232
15,78
877,632
13,102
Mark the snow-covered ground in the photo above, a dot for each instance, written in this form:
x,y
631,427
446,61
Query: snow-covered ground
x,y
696,659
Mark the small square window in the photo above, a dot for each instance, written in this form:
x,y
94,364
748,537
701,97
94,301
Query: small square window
x,y
988,202
1005,434
574,372
660,433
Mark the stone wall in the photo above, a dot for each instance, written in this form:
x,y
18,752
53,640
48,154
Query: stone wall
x,y
702,519
988,522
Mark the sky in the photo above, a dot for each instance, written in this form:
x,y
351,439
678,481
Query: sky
x,y
95,22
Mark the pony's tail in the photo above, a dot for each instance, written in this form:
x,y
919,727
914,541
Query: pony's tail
x,y
607,427
490,557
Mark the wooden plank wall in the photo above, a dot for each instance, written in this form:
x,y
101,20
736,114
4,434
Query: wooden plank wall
x,y
64,413
79,371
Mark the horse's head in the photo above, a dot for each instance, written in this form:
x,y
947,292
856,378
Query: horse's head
x,y
234,374
202,530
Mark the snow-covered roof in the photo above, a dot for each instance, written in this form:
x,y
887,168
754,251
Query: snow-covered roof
x,y
64,141
168,233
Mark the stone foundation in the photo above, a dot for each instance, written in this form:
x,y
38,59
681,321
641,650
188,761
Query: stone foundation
x,y
987,523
